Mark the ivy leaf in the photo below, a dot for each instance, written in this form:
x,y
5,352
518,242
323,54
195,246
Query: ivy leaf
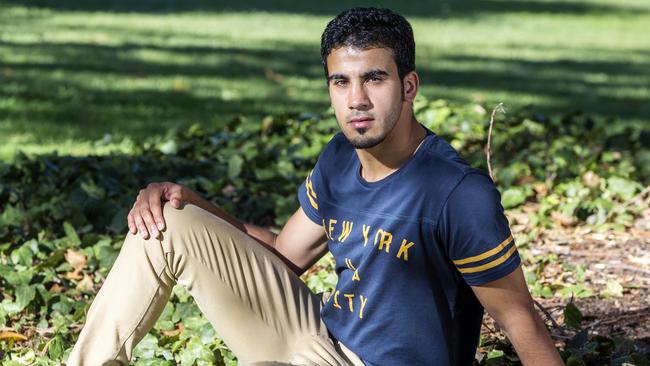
x,y
235,163
513,197
56,347
23,255
62,304
578,341
169,147
572,316
146,348
24,295
495,354
195,351
12,215
575,360
623,188
93,190
71,234
613,289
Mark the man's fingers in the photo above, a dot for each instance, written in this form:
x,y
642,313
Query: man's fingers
x,y
175,196
131,223
142,228
156,210
176,200
146,215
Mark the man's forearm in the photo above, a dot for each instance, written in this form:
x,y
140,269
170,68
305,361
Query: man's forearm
x,y
264,236
531,340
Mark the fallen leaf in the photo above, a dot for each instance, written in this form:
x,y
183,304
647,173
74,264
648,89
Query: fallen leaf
x,y
591,179
56,288
540,188
12,336
272,75
639,260
86,284
76,259
75,275
562,219
174,332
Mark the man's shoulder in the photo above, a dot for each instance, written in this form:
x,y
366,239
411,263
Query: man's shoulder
x,y
440,164
338,144
337,150
440,152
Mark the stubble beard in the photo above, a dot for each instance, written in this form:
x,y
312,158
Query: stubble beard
x,y
367,142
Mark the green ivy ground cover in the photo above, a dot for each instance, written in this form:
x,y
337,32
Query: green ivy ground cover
x,y
62,218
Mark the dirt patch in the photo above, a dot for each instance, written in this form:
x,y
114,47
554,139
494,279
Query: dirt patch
x,y
623,257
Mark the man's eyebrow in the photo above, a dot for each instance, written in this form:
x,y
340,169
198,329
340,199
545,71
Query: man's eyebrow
x,y
374,73
337,77
365,76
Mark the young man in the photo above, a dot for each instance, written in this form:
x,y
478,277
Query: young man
x,y
419,237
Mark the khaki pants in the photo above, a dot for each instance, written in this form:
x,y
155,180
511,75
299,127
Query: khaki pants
x,y
257,305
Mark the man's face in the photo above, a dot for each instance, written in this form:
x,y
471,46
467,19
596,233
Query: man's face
x,y
366,93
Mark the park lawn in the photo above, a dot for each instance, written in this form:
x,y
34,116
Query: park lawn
x,y
79,78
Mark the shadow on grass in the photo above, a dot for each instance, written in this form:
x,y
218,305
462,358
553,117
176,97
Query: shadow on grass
x,y
56,98
574,85
80,91
462,8
50,106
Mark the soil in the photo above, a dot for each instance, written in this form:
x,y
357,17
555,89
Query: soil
x,y
605,256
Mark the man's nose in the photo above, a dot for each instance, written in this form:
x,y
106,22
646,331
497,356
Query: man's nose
x,y
358,97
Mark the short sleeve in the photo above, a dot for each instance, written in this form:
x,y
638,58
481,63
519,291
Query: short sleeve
x,y
308,197
475,231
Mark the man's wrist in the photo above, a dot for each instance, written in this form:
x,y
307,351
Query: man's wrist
x,y
191,197
187,195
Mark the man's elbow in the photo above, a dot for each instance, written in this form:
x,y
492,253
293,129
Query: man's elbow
x,y
523,319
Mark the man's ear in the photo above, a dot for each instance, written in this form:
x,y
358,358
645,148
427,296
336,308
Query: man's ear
x,y
411,84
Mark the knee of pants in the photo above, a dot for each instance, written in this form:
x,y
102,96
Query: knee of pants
x,y
185,223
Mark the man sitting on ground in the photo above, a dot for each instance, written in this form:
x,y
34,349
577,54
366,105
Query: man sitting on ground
x,y
419,237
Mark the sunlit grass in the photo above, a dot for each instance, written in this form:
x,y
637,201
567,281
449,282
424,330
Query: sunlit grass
x,y
70,76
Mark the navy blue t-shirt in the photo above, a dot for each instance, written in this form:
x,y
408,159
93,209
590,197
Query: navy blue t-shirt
x,y
407,248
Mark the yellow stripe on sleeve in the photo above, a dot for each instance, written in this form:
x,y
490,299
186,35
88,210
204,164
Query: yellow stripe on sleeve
x,y
311,194
489,265
484,255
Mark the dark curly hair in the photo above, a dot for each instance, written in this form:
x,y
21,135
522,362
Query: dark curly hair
x,y
371,27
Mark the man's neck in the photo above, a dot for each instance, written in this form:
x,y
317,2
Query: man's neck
x,y
379,161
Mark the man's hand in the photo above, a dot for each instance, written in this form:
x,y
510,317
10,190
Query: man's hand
x,y
300,243
146,216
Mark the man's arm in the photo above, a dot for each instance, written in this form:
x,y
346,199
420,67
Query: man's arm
x,y
508,301
300,243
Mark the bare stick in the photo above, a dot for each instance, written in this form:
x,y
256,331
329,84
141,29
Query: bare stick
x,y
488,148
549,316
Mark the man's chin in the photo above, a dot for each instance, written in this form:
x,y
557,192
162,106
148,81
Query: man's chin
x,y
365,142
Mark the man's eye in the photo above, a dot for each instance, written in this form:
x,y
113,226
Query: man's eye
x,y
339,82
374,79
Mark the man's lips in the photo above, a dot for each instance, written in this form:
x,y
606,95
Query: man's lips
x,y
361,122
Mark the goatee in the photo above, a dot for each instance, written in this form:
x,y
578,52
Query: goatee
x,y
365,143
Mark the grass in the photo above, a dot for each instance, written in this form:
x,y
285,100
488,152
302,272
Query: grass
x,y
80,77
